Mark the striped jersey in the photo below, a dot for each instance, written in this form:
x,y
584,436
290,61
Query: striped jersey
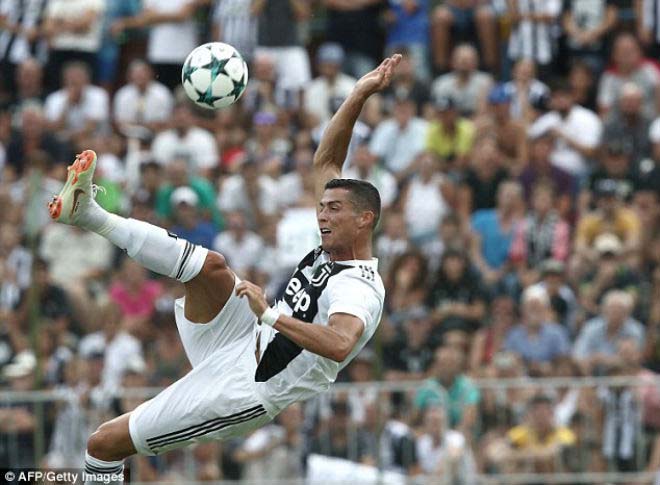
x,y
286,372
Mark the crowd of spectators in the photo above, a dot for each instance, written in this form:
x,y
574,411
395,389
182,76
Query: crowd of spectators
x,y
517,153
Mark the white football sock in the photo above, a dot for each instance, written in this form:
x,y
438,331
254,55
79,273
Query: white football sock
x,y
102,471
153,247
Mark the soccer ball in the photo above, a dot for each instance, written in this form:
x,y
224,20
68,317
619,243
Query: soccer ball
x,y
214,75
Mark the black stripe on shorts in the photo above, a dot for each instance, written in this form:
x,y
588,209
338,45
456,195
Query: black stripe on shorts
x,y
204,428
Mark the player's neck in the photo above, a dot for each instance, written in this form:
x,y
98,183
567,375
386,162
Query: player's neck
x,y
351,253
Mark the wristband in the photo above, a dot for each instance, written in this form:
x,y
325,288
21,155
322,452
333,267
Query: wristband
x,y
269,316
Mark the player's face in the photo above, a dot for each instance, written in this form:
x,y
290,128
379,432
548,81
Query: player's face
x,y
338,220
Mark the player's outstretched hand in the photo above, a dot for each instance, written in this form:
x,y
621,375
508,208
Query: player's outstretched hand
x,y
255,295
379,78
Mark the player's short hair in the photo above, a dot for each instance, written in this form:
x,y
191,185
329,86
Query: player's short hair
x,y
364,196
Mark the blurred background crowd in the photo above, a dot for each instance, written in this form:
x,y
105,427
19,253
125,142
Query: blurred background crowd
x,y
517,153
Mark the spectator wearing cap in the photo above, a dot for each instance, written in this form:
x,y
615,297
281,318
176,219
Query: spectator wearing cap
x,y
179,174
596,345
542,234
611,271
331,83
616,167
365,166
629,124
407,25
526,91
143,101
629,65
612,216
188,224
267,142
510,133
239,245
185,140
539,341
541,169
399,139
467,85
450,136
577,131
537,445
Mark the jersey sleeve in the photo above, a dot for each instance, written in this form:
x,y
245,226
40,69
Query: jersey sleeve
x,y
353,293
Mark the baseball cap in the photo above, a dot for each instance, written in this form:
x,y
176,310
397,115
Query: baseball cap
x,y
608,243
331,53
607,188
499,95
552,266
445,103
22,365
184,195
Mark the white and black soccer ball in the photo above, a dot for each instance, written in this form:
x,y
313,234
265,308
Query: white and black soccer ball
x,y
214,75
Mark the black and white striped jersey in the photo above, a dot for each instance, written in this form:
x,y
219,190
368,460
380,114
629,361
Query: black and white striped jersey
x,y
27,14
318,288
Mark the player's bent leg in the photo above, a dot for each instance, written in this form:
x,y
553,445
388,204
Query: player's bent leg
x,y
208,292
107,448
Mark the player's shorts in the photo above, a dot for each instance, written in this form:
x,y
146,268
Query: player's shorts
x,y
216,400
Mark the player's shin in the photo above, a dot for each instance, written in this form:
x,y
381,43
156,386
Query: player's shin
x,y
153,247
103,472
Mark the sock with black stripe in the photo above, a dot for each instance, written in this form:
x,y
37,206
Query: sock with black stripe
x,y
153,247
103,472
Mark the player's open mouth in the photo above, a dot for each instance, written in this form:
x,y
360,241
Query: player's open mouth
x,y
325,232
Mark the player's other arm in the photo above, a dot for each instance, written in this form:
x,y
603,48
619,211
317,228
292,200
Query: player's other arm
x,y
334,341
331,153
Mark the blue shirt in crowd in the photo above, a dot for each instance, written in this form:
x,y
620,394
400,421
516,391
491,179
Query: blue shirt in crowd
x,y
495,244
549,343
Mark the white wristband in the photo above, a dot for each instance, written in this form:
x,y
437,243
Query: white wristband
x,y
269,316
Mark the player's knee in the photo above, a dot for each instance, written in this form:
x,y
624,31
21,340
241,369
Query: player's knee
x,y
214,263
102,444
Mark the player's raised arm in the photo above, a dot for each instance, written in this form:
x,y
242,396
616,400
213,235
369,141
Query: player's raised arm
x,y
331,153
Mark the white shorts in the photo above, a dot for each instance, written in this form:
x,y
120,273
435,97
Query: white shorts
x,y
217,399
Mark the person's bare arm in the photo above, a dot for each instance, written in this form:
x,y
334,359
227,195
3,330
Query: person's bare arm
x,y
331,153
149,17
334,341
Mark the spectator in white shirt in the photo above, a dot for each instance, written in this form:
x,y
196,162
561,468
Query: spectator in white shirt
x,y
185,140
400,138
143,101
330,85
172,35
79,108
240,246
250,192
577,131
365,167
74,31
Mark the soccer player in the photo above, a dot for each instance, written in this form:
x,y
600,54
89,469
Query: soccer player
x,y
249,360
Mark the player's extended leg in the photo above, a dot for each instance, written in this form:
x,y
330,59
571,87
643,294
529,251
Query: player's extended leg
x,y
209,282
